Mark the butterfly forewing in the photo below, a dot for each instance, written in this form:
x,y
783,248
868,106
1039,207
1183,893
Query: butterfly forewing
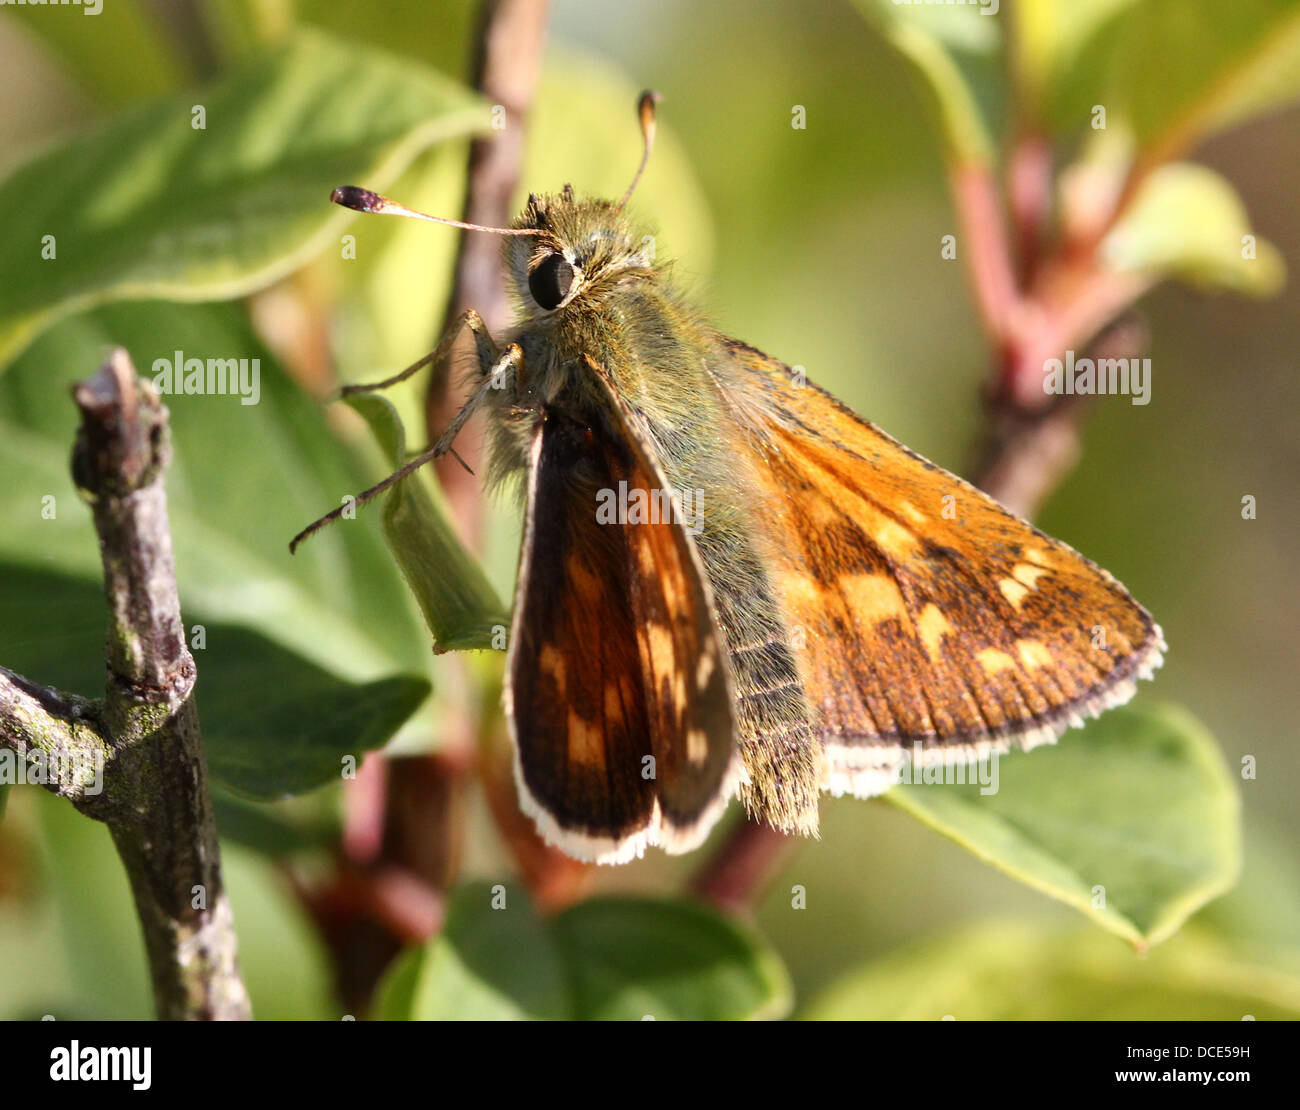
x,y
931,615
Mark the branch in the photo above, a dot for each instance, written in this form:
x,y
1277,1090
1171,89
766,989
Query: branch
x,y
142,740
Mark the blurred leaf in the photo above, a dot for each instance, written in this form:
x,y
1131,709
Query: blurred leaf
x,y
1262,912
281,955
1012,971
957,51
583,130
1050,38
1178,70
438,35
238,27
148,206
273,724
278,725
1188,222
266,829
459,605
629,958
1139,804
243,480
118,55
325,645
486,965
604,959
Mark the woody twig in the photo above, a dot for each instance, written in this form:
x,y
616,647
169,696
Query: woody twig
x,y
134,759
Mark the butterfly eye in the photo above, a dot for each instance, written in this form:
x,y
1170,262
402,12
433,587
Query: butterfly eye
x,y
551,281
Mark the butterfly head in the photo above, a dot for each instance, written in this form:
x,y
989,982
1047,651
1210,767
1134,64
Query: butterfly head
x,y
578,247
561,247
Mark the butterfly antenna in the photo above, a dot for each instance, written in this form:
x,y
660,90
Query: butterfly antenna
x,y
363,200
646,112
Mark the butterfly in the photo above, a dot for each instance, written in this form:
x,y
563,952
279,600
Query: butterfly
x,y
730,582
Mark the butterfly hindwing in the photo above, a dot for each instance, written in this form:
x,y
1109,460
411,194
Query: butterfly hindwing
x,y
931,615
616,690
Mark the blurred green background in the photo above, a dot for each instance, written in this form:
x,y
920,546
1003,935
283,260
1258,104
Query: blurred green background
x,y
820,246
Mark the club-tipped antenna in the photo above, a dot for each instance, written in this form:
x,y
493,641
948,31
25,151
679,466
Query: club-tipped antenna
x,y
363,200
645,109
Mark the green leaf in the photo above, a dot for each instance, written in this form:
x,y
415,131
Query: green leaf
x,y
1176,71
1133,820
279,725
149,206
486,965
273,724
325,645
139,63
604,959
459,605
957,51
1050,39
1188,222
631,958
1014,971
243,480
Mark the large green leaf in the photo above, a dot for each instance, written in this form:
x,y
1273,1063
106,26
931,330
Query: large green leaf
x,y
1014,971
307,658
273,723
604,959
243,480
1133,820
149,206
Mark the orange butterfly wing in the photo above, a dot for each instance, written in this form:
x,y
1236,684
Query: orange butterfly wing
x,y
926,613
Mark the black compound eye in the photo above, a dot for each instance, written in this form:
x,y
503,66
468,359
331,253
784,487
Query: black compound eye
x,y
551,281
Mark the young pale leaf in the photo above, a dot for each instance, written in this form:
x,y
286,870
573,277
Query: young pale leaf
x,y
1014,971
1133,820
216,192
1188,222
458,603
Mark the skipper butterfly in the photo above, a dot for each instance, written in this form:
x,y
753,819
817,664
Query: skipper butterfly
x,y
730,582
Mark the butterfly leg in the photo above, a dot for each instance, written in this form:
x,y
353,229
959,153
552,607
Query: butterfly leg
x,y
487,353
497,373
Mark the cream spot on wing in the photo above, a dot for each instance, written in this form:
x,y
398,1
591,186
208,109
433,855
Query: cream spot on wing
x,y
551,663
662,656
1027,573
933,627
994,661
895,540
911,512
1033,654
802,593
1038,555
1015,592
704,669
873,597
645,556
586,745
697,746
